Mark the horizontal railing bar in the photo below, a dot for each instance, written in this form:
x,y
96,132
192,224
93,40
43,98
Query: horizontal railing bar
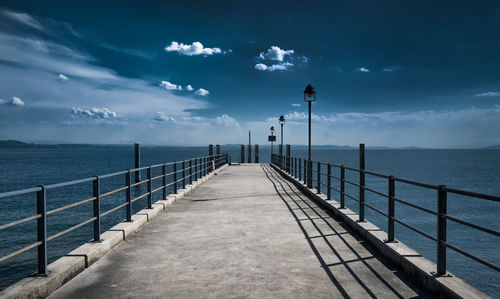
x,y
334,189
114,209
114,191
353,169
335,177
375,209
21,221
472,194
153,191
376,174
477,259
139,197
352,183
105,176
70,206
414,229
13,254
71,229
416,183
376,192
484,229
415,206
156,177
70,183
139,183
20,192
353,198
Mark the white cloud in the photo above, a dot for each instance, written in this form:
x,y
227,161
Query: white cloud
x,y
96,113
388,69
226,120
23,18
201,92
275,53
162,117
488,94
275,67
62,77
195,48
363,70
170,86
14,102
296,105
189,88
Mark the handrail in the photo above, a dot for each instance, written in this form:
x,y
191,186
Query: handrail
x,y
193,169
309,167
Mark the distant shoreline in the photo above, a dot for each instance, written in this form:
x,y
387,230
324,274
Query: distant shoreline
x,y
15,144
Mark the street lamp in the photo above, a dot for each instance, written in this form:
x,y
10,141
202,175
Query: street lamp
x,y
309,97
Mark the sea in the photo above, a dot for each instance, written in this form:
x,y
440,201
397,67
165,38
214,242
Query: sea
x,y
472,170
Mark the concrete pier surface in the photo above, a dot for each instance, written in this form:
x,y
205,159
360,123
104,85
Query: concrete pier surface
x,y
246,233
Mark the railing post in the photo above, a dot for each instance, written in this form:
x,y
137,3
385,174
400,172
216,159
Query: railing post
x,y
390,219
97,209
127,196
137,154
305,172
256,153
242,154
300,169
190,171
164,181
184,174
205,165
249,153
195,169
287,158
441,231
318,178
150,195
41,224
309,173
329,182
361,182
342,187
175,177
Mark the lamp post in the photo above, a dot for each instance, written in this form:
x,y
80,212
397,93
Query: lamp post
x,y
309,97
272,134
282,122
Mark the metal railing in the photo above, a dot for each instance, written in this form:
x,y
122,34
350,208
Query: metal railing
x,y
303,170
189,171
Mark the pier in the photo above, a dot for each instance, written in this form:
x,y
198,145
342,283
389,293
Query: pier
x,y
252,230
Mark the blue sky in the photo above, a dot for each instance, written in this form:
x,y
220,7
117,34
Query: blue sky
x,y
387,73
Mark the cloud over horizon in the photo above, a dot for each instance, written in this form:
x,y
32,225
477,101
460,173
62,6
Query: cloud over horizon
x,y
196,48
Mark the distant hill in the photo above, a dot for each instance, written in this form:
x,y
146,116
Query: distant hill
x,y
492,147
14,144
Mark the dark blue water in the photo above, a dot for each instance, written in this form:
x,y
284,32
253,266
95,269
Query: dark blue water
x,y
474,170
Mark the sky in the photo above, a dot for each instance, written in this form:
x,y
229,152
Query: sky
x,y
386,73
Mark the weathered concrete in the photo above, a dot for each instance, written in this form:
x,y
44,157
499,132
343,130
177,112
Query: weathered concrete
x,y
243,234
70,265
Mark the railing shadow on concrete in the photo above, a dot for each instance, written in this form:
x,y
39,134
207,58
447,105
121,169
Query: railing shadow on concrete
x,y
318,217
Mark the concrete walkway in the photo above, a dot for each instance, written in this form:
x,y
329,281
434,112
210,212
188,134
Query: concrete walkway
x,y
246,233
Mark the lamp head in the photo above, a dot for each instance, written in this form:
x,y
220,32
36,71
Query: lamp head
x,y
309,94
282,119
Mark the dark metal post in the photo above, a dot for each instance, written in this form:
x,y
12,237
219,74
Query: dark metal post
x,y
287,159
41,225
164,181
441,233
300,169
329,182
305,171
390,225
280,156
210,153
249,153
256,153
217,156
205,165
97,210
309,140
175,177
150,195
361,182
183,174
195,169
137,153
190,171
342,187
318,188
309,176
127,196
242,158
